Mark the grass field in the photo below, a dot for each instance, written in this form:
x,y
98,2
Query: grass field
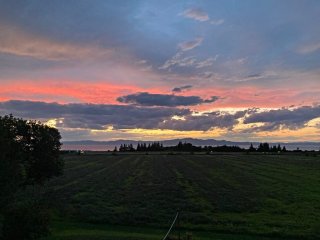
x,y
239,196
84,231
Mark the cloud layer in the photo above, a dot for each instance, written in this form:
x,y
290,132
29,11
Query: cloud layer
x,y
284,118
196,14
182,88
21,43
188,45
167,100
84,55
78,118
92,116
102,116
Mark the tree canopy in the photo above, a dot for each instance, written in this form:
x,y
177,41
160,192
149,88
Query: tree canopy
x,y
29,151
29,155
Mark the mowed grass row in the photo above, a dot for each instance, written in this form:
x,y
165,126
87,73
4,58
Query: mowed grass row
x,y
86,231
272,195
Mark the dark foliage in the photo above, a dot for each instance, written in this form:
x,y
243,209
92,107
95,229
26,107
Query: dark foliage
x,y
25,220
188,147
263,147
29,156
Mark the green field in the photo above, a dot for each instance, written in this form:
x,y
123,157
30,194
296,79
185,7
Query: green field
x,y
223,196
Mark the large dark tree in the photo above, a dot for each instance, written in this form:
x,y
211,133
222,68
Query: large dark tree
x,y
29,155
29,152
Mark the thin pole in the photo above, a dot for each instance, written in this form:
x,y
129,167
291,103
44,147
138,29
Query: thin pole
x,y
178,225
174,221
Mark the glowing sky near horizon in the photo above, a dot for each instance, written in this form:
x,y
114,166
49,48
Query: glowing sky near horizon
x,y
103,70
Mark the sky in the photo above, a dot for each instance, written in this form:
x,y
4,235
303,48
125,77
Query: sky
x,y
240,70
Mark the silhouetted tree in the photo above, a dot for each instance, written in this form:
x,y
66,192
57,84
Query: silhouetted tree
x,y
263,147
130,148
138,147
29,155
279,148
274,149
251,148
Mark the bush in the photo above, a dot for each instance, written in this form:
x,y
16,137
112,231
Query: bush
x,y
25,221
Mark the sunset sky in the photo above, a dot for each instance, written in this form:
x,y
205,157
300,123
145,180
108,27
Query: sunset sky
x,y
241,70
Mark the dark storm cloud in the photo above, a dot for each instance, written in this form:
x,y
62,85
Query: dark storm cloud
x,y
94,116
182,88
288,118
168,100
98,116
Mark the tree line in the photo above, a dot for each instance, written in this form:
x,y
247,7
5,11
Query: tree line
x,y
188,147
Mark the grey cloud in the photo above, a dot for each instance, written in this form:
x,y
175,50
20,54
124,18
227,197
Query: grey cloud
x,y
182,88
211,100
283,118
18,42
186,46
83,117
99,116
71,20
254,76
205,63
196,14
203,122
206,75
267,127
168,100
179,60
92,116
257,76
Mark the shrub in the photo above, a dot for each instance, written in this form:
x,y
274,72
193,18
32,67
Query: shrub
x,y
25,221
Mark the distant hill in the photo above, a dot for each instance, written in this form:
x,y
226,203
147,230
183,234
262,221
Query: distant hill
x,y
109,145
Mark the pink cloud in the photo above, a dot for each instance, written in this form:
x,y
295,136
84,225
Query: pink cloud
x,y
248,97
68,91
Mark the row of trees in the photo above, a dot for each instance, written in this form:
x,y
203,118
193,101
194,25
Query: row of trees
x,y
156,146
265,147
188,147
29,157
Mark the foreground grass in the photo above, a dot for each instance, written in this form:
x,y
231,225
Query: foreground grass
x,y
81,231
256,194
